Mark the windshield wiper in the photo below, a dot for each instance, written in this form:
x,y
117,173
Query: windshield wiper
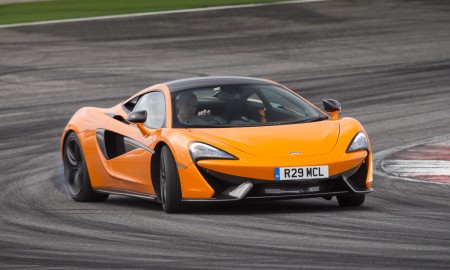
x,y
316,119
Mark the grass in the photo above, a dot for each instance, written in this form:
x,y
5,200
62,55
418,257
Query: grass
x,y
69,9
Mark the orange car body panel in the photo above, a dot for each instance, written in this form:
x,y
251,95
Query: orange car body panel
x,y
259,149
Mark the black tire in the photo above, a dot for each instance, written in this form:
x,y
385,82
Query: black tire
x,y
170,188
347,201
76,173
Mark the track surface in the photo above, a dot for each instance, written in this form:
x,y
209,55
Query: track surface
x,y
388,62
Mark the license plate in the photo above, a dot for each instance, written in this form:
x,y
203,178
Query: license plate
x,y
299,173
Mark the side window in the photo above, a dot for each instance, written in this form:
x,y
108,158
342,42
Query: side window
x,y
131,104
155,105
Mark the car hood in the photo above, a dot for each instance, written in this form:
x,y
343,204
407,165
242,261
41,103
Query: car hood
x,y
304,139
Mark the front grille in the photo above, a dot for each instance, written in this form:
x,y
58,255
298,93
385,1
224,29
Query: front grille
x,y
263,188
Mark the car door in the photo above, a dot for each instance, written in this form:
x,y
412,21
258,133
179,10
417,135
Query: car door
x,y
131,161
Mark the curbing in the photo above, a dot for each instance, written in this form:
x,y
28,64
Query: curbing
x,y
379,157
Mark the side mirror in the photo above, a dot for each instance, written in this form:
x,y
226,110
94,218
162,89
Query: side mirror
x,y
138,118
333,107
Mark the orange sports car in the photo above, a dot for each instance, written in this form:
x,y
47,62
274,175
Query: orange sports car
x,y
216,139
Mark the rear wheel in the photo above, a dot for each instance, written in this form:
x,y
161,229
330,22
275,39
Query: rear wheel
x,y
346,201
170,188
76,173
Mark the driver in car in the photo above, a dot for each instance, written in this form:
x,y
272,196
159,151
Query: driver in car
x,y
186,106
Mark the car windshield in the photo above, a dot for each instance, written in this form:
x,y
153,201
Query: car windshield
x,y
241,105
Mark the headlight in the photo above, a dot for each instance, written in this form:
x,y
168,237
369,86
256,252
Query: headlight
x,y
200,150
359,142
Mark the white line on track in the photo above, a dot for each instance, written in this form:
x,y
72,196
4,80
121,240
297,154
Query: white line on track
x,y
160,13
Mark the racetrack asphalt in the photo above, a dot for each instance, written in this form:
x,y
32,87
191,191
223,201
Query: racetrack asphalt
x,y
387,62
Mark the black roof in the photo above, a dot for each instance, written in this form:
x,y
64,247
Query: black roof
x,y
212,81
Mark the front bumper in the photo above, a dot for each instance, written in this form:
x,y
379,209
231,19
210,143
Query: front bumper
x,y
228,188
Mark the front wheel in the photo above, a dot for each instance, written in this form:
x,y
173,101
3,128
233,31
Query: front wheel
x,y
348,201
170,187
76,173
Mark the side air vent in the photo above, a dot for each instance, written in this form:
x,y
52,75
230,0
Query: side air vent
x,y
113,144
